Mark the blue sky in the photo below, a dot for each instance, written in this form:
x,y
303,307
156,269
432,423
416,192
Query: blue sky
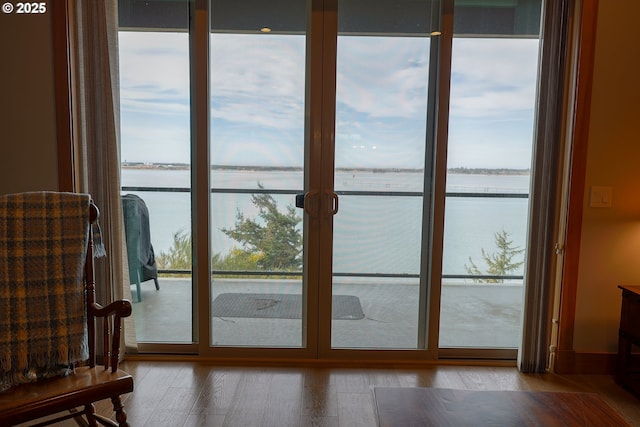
x,y
257,87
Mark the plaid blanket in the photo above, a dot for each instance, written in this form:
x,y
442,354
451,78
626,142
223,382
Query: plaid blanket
x,y
43,241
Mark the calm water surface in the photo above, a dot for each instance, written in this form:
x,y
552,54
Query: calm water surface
x,y
373,234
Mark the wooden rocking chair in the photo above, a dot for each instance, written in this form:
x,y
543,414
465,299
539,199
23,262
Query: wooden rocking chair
x,y
46,287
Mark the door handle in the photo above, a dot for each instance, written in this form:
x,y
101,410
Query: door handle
x,y
308,201
333,202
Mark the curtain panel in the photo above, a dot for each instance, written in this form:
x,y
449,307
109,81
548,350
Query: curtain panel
x,y
543,262
92,35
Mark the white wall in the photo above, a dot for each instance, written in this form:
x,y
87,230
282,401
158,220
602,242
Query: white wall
x,y
27,113
610,246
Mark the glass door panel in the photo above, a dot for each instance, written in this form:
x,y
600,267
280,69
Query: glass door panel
x,y
483,312
381,146
155,152
257,167
491,121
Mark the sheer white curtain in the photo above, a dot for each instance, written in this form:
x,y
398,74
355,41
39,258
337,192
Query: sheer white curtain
x,y
93,35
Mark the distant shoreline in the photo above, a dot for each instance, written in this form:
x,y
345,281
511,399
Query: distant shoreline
x,y
459,170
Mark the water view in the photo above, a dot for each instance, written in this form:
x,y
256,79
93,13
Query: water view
x,y
470,222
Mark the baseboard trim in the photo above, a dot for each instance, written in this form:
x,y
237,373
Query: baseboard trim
x,y
563,362
571,362
595,363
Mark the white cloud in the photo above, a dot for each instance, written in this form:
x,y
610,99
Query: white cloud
x,y
383,76
155,142
258,79
257,88
493,77
154,71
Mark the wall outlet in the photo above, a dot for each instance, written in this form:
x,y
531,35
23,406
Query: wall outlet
x,y
601,197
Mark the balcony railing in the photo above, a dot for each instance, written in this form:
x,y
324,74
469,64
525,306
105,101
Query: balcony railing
x,y
496,195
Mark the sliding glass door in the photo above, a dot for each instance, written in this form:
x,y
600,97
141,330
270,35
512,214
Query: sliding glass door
x,y
494,70
257,111
335,173
383,176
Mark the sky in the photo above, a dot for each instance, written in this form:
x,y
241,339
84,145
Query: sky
x,y
257,100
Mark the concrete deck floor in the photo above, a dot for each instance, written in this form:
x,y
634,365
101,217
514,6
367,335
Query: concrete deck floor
x,y
472,315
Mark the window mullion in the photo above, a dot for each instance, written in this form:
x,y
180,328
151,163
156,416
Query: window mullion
x,y
199,25
435,182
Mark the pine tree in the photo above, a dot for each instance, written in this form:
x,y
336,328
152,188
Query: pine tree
x,y
272,239
178,257
499,263
270,242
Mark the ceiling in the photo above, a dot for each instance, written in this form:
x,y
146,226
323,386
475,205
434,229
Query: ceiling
x,y
368,17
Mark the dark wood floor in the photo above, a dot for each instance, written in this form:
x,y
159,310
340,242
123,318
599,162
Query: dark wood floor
x,y
199,394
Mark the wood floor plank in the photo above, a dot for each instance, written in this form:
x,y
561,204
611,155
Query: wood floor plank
x,y
320,401
179,399
250,399
136,415
204,420
315,421
203,394
351,381
192,375
618,398
284,401
216,395
418,377
166,418
318,377
384,378
356,409
151,388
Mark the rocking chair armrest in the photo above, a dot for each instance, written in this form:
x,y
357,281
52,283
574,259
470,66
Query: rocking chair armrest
x,y
119,308
112,315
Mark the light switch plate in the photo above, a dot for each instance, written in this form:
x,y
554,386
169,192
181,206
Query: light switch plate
x,y
601,197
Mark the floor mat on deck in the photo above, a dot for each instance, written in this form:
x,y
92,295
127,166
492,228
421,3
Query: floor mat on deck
x,y
280,306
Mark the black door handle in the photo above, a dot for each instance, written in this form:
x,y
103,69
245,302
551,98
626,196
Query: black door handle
x,y
309,202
